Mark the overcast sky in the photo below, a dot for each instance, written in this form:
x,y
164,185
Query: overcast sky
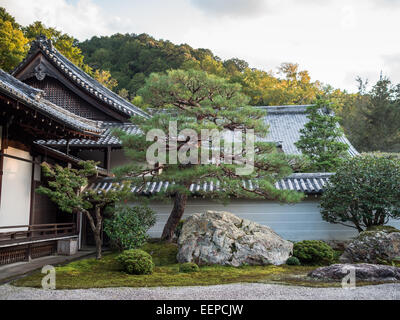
x,y
335,40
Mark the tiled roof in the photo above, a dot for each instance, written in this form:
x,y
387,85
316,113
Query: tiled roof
x,y
309,183
80,78
285,123
66,157
107,139
33,98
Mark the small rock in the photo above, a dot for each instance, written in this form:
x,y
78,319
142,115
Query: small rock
x,y
222,238
363,271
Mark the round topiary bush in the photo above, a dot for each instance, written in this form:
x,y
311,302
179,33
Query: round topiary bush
x,y
313,252
189,267
136,261
293,261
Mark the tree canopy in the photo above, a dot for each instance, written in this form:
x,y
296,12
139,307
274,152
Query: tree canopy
x,y
364,192
131,58
199,101
319,138
373,118
13,44
67,188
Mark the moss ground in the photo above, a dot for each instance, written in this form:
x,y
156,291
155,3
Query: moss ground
x,y
92,273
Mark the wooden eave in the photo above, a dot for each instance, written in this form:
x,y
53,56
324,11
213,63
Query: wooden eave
x,y
37,124
57,155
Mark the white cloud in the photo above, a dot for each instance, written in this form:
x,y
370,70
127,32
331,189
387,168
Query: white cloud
x,y
391,67
81,19
232,7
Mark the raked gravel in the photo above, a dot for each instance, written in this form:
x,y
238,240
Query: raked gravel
x,y
246,291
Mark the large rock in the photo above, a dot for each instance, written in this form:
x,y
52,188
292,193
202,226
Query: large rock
x,y
373,246
223,238
363,271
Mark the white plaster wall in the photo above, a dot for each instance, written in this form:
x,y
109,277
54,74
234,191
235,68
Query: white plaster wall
x,y
296,222
16,190
301,221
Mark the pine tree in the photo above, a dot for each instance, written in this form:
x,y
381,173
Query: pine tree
x,y
378,115
319,138
197,100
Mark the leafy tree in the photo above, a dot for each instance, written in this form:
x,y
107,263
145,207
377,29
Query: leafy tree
x,y
139,102
5,16
374,119
235,65
64,43
66,188
319,138
128,226
123,93
104,77
13,44
132,58
197,100
364,192
68,46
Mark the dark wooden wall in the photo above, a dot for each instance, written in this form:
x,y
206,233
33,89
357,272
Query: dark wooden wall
x,y
44,210
60,95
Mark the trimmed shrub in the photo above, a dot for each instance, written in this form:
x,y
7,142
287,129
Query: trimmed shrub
x,y
189,267
127,229
136,261
293,261
313,252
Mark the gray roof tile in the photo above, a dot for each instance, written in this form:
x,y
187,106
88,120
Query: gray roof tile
x,y
308,183
33,98
285,123
107,139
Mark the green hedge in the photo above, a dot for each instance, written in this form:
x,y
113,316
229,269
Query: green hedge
x,y
313,252
136,261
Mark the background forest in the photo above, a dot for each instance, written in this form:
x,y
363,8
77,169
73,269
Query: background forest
x,y
123,62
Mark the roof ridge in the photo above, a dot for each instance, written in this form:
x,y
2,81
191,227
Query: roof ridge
x,y
286,108
81,78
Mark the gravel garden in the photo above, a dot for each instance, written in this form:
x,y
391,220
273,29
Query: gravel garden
x,y
161,264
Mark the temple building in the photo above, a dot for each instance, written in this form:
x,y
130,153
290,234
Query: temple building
x,y
50,111
29,223
53,111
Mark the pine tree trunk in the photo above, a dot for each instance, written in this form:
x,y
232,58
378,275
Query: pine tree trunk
x,y
175,216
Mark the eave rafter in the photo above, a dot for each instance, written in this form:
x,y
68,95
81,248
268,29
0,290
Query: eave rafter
x,y
37,125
